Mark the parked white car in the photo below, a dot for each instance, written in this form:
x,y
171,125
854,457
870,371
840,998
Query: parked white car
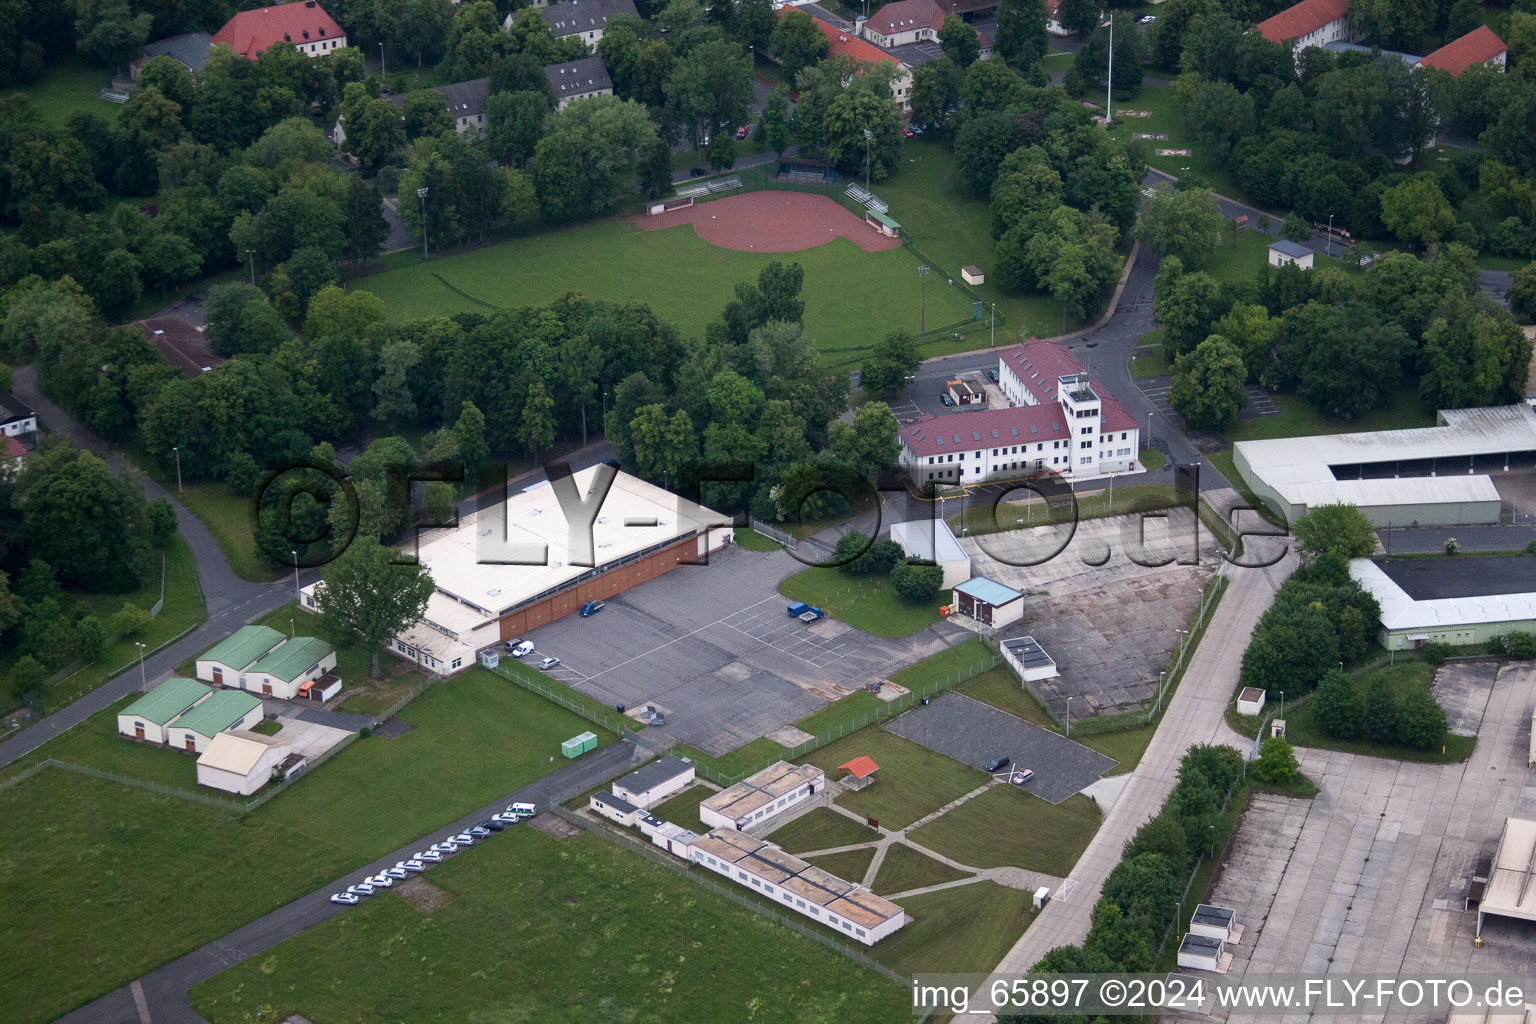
x,y
549,663
445,849
414,867
506,818
346,898
478,831
381,881
523,649
396,873
463,839
360,889
428,856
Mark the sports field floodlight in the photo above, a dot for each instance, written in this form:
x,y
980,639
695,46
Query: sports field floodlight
x,y
421,194
922,330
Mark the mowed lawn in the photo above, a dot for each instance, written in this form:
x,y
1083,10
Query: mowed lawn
x,y
849,865
853,298
913,781
107,881
68,86
1008,826
966,929
867,602
557,930
820,829
904,868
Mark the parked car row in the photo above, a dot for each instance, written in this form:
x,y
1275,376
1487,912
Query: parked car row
x,y
523,648
433,854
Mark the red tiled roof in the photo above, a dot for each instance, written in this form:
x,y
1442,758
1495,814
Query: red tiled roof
x,y
905,15
1039,363
1307,16
842,44
1476,47
250,32
986,428
860,767
12,449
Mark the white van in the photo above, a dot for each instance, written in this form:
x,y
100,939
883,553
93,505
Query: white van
x,y
525,810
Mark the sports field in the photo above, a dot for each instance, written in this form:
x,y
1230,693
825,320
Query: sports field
x,y
852,298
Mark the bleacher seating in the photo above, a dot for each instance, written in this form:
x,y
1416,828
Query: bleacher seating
x,y
725,184
800,177
858,195
878,204
693,190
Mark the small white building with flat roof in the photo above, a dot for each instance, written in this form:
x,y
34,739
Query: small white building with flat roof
x,y
656,781
931,538
1286,253
759,797
1029,659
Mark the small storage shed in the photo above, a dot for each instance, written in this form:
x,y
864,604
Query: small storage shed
x,y
1250,700
858,773
1215,923
1200,952
1285,253
240,762
655,782
972,275
220,710
228,659
1029,659
146,718
613,808
882,223
989,602
320,690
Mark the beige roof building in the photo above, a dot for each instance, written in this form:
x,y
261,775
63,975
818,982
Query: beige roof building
x,y
240,761
771,791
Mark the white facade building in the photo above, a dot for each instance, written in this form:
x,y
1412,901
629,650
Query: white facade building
x,y
655,782
1310,23
240,762
221,710
765,795
933,539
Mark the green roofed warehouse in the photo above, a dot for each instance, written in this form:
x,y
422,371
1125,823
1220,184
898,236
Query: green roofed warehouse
x,y
147,717
195,728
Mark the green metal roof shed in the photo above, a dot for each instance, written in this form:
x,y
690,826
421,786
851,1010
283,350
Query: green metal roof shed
x,y
167,700
243,646
220,711
883,219
290,660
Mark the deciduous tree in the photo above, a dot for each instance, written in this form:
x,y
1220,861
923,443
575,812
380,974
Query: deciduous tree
x,y
1208,386
365,598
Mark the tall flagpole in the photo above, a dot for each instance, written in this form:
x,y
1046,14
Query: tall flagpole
x,y
1109,93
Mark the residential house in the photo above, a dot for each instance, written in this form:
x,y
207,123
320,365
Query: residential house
x,y
303,23
842,44
1480,46
12,454
576,79
224,664
196,727
146,718
282,671
1052,25
190,50
1285,253
465,102
1309,23
239,761
907,22
585,19
16,419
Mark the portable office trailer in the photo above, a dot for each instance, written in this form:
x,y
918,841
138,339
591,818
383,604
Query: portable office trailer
x,y
1200,952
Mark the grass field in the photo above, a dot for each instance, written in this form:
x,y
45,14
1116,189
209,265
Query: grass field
x,y
183,609
1126,747
78,851
1303,731
683,809
820,829
1298,418
913,780
854,707
1149,359
947,662
1008,826
70,85
754,541
867,602
849,865
852,298
537,928
1095,504
1002,689
904,868
966,929
954,229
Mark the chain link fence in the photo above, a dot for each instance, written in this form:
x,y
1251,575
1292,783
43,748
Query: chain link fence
x,y
612,721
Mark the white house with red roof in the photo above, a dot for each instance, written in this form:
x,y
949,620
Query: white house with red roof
x,y
304,24
1052,25
842,44
1310,23
911,21
1480,46
1058,420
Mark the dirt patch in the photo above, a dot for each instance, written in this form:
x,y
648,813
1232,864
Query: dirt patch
x,y
393,728
555,826
422,894
772,222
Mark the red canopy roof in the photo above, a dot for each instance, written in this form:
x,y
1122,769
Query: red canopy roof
x,y
250,32
1476,47
860,767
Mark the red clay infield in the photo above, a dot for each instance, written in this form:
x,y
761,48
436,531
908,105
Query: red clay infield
x,y
772,222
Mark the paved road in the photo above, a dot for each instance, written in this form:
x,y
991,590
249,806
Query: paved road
x,y
164,990
1471,538
1194,715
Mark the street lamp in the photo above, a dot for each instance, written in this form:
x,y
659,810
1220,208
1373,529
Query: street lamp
x,y
1282,705
383,74
177,450
252,261
143,684
297,596
1069,718
922,272
868,137
994,325
1330,234
421,194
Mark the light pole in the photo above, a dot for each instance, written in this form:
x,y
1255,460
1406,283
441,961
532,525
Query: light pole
x,y
922,330
383,74
994,325
1109,89
297,596
252,261
421,194
1069,718
177,450
292,633
868,137
1282,705
1149,427
143,684
1160,677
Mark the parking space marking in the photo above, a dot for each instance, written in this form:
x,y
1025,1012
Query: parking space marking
x,y
685,636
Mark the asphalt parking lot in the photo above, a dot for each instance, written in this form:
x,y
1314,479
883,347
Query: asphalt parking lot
x,y
975,733
713,645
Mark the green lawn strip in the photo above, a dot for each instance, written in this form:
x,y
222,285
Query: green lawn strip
x,y
683,809
855,708
821,829
1153,459
735,765
753,541
913,781
1010,826
853,299
953,229
867,602
1238,259
1000,688
1303,731
966,929
96,743
904,868
849,865
563,930
268,727
1298,418
1125,747
938,667
69,86
1205,875
1096,504
183,610
1150,358
78,850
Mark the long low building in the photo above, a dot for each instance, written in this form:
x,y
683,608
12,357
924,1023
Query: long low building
x,y
1511,890
516,564
759,797
806,889
240,761
1425,476
1457,601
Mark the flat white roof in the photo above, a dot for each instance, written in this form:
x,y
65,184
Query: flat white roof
x,y
1399,611
634,516
1299,468
1512,887
929,538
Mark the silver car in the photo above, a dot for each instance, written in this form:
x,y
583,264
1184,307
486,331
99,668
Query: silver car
x,y
344,898
396,873
381,881
414,867
361,889
428,856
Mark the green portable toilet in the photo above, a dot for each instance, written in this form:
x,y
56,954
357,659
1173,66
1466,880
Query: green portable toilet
x,y
572,747
588,741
